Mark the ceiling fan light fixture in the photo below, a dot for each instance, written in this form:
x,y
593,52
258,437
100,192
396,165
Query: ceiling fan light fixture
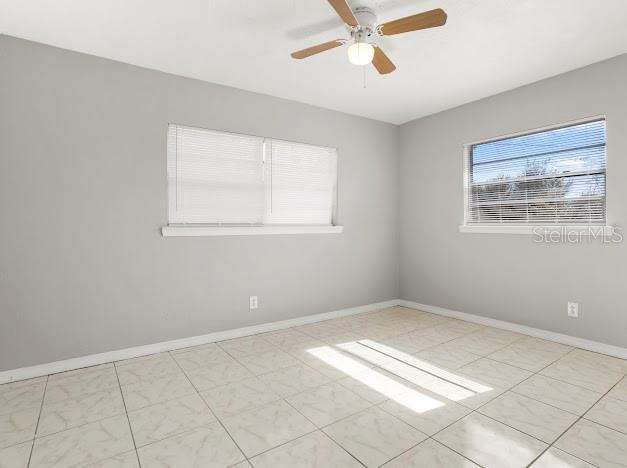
x,y
363,26
360,53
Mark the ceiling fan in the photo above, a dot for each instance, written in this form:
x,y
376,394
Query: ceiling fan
x,y
363,28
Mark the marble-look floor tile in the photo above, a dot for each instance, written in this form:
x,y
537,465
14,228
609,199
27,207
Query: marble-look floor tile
x,y
331,370
343,337
619,391
383,328
322,330
234,398
20,397
152,391
451,385
482,343
425,373
494,373
267,361
410,343
555,458
123,460
147,369
595,444
490,443
530,416
532,354
379,332
374,436
247,346
62,415
413,322
610,412
593,371
426,412
462,326
170,418
430,454
314,450
370,352
376,385
266,427
409,324
303,351
244,464
203,357
188,349
15,456
138,359
10,386
419,323
479,399
373,331
82,384
207,377
290,338
84,444
499,334
604,361
293,380
209,446
423,338
18,427
448,356
328,403
456,328
556,393
81,371
352,323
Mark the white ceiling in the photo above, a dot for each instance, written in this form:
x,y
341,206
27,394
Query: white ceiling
x,y
487,46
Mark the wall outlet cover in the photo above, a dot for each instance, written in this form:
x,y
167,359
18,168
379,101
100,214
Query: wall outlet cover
x,y
573,309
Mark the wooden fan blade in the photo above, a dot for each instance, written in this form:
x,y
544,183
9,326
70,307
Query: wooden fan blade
x,y
381,62
428,19
301,54
344,11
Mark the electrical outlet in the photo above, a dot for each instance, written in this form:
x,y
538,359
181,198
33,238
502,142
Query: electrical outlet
x,y
253,302
573,309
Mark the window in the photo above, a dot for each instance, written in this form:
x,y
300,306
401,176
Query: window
x,y
226,179
549,177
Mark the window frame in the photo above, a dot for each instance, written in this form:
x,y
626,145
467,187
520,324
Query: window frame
x,y
528,228
234,229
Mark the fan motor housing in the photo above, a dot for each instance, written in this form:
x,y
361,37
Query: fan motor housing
x,y
367,19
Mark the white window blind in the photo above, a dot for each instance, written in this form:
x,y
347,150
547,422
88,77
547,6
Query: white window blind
x,y
301,183
549,177
219,178
214,177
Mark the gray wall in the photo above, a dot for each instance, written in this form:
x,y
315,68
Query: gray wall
x,y
83,267
503,276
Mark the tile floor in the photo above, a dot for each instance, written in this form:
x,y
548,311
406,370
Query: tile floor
x,y
393,388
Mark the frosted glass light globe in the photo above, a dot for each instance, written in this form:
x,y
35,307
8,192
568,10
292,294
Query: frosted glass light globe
x,y
360,53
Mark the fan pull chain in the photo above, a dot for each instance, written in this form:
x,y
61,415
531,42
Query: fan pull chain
x,y
364,75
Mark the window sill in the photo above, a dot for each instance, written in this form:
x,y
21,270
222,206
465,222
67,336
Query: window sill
x,y
584,229
194,231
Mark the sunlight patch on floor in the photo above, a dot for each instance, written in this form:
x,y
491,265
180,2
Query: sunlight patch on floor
x,y
421,373
404,395
427,367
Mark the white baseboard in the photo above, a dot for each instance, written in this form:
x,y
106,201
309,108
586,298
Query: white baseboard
x,y
582,343
118,355
111,356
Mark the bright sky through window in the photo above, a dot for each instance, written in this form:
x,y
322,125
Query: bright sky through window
x,y
554,176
